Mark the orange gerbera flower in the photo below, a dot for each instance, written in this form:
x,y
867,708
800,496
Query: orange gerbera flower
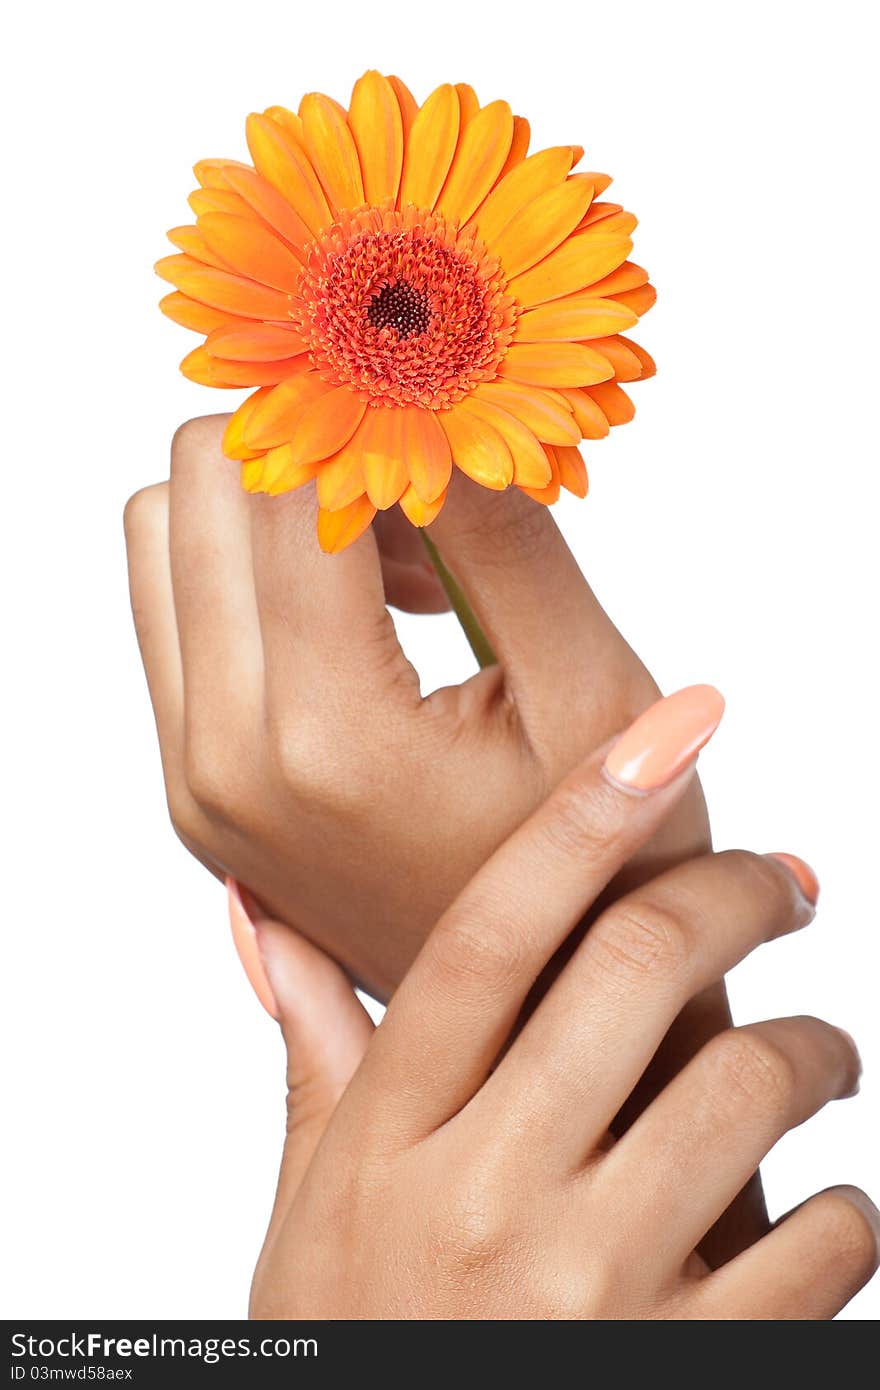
x,y
408,290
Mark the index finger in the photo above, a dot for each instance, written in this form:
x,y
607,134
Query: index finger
x,y
449,1019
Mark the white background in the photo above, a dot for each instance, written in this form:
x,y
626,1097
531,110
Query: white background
x,y
731,531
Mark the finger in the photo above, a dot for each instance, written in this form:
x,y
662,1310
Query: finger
x,y
152,605
323,618
808,1268
410,579
214,595
708,1013
447,1023
692,1151
543,621
591,1039
325,1028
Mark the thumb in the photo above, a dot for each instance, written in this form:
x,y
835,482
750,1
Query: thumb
x,y
324,1026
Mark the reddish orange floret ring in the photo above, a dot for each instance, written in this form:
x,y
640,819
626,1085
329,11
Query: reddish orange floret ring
x,y
408,291
399,306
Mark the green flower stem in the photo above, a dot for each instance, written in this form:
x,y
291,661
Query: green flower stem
x,y
479,643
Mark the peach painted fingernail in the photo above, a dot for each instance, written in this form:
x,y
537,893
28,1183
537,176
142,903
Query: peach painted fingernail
x,y
803,875
244,936
665,739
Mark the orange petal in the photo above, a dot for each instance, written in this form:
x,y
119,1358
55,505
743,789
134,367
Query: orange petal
x,y
649,366
275,419
426,450
613,401
407,102
599,211
640,300
430,148
572,319
286,166
530,465
337,530
283,473
250,248
199,317
608,219
382,456
477,449
200,366
479,159
203,200
519,187
555,364
289,122
258,342
627,365
549,494
190,240
234,446
331,148
211,173
377,128
576,263
519,145
327,424
628,276
467,102
222,290
572,471
418,512
590,419
252,474
340,479
599,181
549,421
257,193
538,228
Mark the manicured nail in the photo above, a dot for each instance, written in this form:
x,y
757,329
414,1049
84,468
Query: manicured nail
x,y
245,937
665,739
802,874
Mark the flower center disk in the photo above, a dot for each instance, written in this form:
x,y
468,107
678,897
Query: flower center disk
x,y
400,306
404,307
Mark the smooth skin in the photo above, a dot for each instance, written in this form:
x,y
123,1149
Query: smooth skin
x,y
299,756
408,1188
298,752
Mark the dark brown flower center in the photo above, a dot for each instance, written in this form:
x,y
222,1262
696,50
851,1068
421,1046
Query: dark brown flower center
x,y
401,306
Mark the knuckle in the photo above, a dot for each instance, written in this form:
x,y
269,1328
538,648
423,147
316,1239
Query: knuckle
x,y
472,948
518,528
184,814
764,877
753,1069
318,769
642,939
582,822
311,1101
206,777
145,507
847,1231
468,1228
203,433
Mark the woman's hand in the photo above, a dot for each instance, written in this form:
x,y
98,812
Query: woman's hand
x,y
425,1178
298,753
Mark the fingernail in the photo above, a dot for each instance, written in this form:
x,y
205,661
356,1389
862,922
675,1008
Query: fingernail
x,y
855,1079
802,874
244,936
665,739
